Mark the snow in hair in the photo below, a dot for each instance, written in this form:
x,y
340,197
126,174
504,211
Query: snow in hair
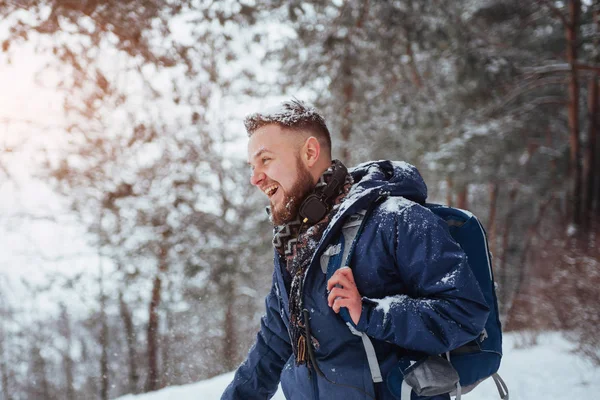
x,y
290,113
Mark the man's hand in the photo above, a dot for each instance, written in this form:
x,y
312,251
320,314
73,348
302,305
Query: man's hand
x,y
344,293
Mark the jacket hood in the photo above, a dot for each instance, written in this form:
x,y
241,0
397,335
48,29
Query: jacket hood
x,y
373,180
395,178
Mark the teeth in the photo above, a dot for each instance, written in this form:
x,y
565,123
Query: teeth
x,y
269,191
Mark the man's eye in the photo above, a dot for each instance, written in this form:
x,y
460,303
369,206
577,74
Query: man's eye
x,y
264,160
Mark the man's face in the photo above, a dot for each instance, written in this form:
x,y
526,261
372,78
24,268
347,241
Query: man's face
x,y
278,170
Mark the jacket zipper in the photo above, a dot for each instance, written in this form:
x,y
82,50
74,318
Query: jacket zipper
x,y
313,377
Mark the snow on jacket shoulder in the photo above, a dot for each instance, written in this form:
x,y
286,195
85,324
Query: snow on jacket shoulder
x,y
431,302
419,296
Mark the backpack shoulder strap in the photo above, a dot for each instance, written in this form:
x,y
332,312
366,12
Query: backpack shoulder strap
x,y
341,253
341,256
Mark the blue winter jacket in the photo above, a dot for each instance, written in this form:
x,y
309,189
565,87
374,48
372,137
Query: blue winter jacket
x,y
419,297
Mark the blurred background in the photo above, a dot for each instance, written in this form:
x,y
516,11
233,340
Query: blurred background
x,y
134,253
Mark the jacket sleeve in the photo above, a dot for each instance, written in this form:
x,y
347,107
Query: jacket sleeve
x,y
443,307
258,376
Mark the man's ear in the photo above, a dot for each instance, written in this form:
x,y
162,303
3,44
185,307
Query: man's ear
x,y
311,151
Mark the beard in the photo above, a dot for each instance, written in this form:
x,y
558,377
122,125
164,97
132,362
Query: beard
x,y
287,210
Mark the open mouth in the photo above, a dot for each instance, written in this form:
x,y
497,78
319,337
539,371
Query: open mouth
x,y
271,190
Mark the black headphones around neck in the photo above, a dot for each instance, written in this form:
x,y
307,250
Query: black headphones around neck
x,y
316,206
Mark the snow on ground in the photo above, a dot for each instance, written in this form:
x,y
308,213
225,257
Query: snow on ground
x,y
205,390
546,370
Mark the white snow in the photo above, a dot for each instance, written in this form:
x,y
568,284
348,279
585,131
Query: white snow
x,y
386,303
393,205
206,390
399,166
372,172
450,277
403,166
286,113
333,250
547,370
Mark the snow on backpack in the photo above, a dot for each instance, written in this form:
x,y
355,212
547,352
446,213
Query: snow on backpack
x,y
462,369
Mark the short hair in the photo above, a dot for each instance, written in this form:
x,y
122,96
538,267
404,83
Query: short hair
x,y
294,115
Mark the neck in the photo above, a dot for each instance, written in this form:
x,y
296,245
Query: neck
x,y
318,170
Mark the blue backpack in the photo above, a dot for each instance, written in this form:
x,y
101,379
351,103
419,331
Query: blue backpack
x,y
462,369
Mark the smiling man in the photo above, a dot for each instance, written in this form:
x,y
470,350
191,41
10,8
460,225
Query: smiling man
x,y
409,290
280,171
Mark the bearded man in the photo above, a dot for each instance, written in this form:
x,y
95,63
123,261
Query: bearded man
x,y
409,288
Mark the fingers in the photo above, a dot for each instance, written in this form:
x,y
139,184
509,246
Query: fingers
x,y
342,277
339,303
338,292
354,307
344,293
347,272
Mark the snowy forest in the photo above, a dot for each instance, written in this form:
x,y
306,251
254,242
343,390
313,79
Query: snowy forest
x,y
497,102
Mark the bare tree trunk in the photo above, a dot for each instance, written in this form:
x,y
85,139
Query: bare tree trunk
x,y
104,374
348,88
153,382
69,377
596,117
153,379
597,168
45,383
39,375
416,76
346,128
230,337
503,270
589,173
492,217
532,231
575,170
449,188
67,360
130,338
166,349
463,197
3,368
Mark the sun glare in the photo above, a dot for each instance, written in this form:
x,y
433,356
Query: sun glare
x,y
23,101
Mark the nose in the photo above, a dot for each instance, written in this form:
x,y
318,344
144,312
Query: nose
x,y
257,177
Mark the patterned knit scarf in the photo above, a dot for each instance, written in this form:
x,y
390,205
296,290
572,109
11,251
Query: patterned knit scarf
x,y
297,242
